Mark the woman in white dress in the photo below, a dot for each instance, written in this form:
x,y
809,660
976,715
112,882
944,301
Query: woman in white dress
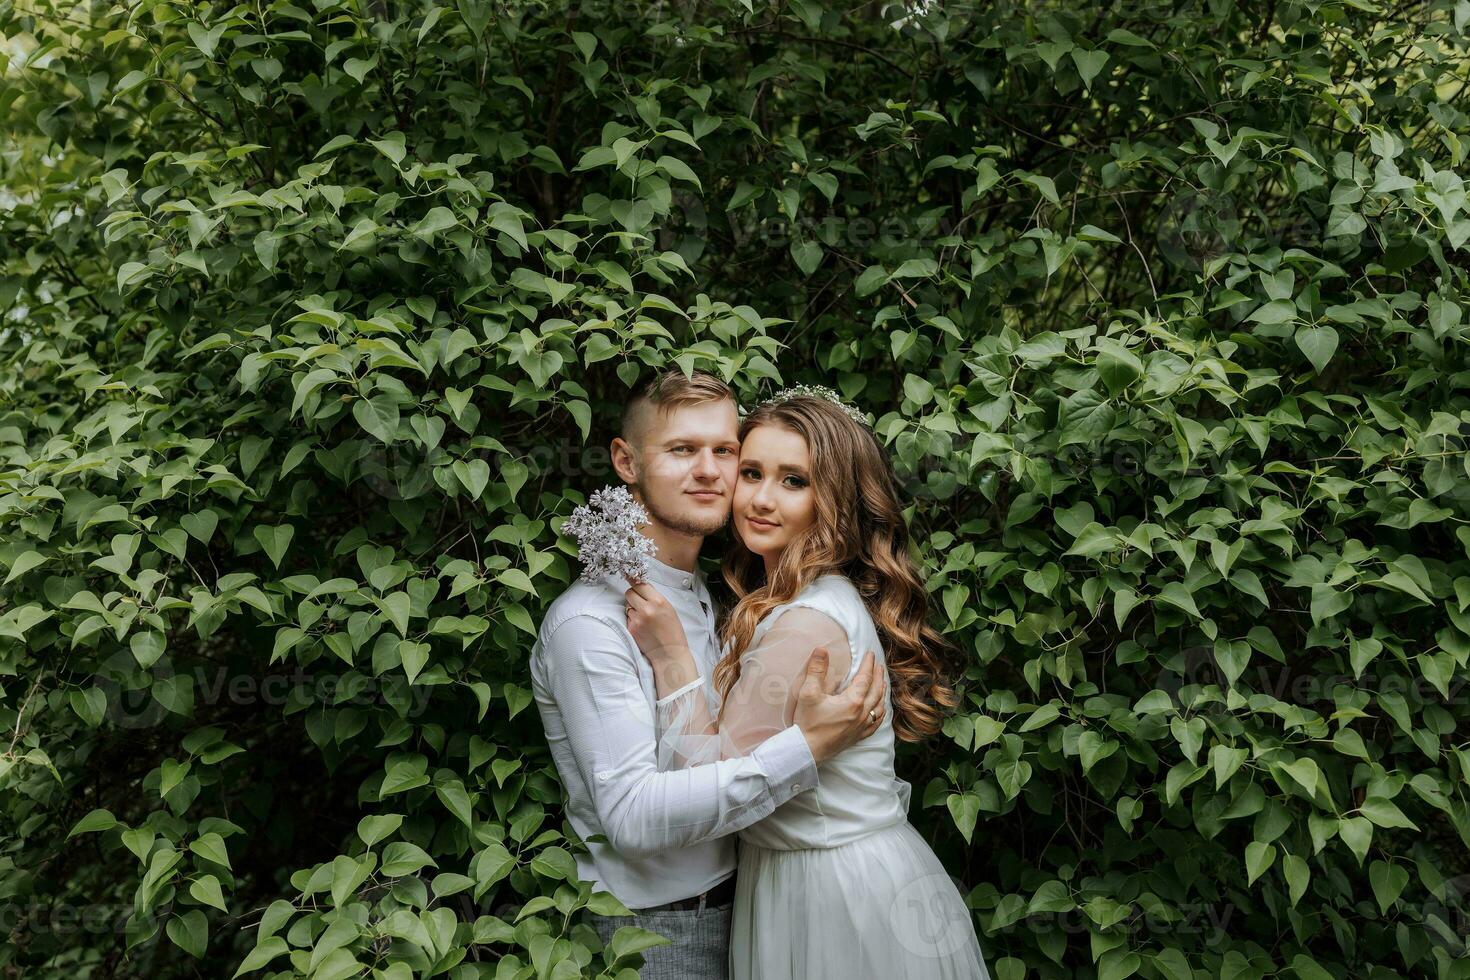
x,y
836,883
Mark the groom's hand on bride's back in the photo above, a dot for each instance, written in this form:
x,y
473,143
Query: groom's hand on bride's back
x,y
832,722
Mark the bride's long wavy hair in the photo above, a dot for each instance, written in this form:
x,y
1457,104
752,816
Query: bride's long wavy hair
x,y
859,531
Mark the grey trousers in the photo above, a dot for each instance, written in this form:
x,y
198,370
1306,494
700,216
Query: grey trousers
x,y
701,941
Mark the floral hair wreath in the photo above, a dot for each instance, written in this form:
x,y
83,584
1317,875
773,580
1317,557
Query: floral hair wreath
x,y
817,391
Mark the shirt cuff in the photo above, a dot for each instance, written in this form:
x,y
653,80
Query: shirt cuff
x,y
787,760
665,700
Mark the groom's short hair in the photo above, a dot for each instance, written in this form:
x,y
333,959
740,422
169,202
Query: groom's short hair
x,y
666,390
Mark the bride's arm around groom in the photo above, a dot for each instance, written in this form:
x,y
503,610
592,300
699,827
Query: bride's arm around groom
x,y
591,671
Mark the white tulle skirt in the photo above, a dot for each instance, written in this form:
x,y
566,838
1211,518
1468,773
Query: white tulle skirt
x,y
881,906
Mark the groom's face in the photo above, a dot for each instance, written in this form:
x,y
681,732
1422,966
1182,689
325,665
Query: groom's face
x,y
683,465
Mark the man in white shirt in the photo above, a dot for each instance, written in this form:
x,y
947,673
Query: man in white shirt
x,y
668,855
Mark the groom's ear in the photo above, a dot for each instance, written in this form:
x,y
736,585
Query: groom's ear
x,y
624,460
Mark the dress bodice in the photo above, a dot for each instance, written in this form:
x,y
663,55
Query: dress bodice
x,y
858,792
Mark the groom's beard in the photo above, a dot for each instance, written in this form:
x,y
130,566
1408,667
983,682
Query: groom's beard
x,y
686,525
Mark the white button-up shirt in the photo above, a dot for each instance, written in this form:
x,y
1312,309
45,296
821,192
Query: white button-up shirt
x,y
667,832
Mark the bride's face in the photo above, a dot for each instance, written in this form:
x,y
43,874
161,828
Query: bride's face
x,y
773,499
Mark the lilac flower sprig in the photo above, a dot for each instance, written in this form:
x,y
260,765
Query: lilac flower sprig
x,y
608,542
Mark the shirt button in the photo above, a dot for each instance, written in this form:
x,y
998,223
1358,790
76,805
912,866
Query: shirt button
x,y
688,582
796,786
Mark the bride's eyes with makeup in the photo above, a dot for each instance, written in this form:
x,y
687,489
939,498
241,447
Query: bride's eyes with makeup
x,y
791,482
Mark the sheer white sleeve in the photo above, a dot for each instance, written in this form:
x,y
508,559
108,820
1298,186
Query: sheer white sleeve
x,y
591,673
763,701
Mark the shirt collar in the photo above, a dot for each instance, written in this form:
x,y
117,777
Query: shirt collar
x,y
667,576
673,577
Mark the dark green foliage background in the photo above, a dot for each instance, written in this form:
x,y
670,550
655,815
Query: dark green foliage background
x,y
315,319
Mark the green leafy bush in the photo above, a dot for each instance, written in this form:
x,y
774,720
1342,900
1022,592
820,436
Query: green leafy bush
x,y
316,319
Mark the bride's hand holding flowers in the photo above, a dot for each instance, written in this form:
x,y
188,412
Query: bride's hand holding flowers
x,y
655,625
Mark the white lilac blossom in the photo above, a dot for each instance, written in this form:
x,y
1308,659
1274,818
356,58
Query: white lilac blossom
x,y
608,542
